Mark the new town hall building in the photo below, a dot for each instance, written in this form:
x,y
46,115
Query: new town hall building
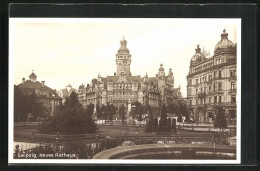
x,y
212,82
123,88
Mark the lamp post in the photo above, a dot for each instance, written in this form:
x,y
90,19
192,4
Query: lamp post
x,y
96,136
16,151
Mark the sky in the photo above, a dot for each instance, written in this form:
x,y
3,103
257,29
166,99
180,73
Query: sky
x,y
74,51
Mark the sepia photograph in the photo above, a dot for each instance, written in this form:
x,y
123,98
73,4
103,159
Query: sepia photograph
x,y
125,90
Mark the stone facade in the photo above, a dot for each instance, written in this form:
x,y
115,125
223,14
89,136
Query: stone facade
x,y
212,82
123,88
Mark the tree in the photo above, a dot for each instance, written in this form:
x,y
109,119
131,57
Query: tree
x,y
149,127
187,118
220,121
24,105
140,118
137,109
103,111
163,120
155,124
110,111
174,125
183,109
20,105
71,118
169,125
122,113
171,108
179,119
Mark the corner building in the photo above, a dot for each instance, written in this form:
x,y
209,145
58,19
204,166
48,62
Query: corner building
x,y
212,82
123,88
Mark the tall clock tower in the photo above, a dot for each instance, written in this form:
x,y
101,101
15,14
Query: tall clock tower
x,y
123,59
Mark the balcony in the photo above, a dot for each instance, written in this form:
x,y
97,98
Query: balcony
x,y
218,104
232,91
232,78
231,103
202,95
217,92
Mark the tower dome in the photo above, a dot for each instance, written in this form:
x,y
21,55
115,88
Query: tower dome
x,y
123,47
224,43
197,55
32,76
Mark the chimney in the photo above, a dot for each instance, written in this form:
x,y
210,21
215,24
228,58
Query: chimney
x,y
23,80
43,83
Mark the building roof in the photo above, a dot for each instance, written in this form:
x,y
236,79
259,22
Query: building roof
x,y
29,86
224,42
32,75
112,78
123,46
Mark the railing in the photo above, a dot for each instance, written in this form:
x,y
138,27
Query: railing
x,y
27,123
231,91
88,148
229,130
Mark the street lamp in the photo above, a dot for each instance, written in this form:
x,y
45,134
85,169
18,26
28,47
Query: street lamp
x,y
57,137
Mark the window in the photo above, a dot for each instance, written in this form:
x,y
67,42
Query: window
x,y
232,85
196,101
215,99
215,74
210,88
220,99
214,87
205,89
196,81
233,99
219,86
209,77
190,102
219,74
209,99
196,91
200,80
190,81
232,73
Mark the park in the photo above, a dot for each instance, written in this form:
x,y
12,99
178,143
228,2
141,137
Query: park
x,y
72,133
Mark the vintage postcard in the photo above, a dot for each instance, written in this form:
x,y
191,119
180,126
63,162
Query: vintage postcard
x,y
125,90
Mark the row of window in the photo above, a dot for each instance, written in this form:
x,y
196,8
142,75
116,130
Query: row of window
x,y
216,74
219,60
216,87
207,65
216,99
123,57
